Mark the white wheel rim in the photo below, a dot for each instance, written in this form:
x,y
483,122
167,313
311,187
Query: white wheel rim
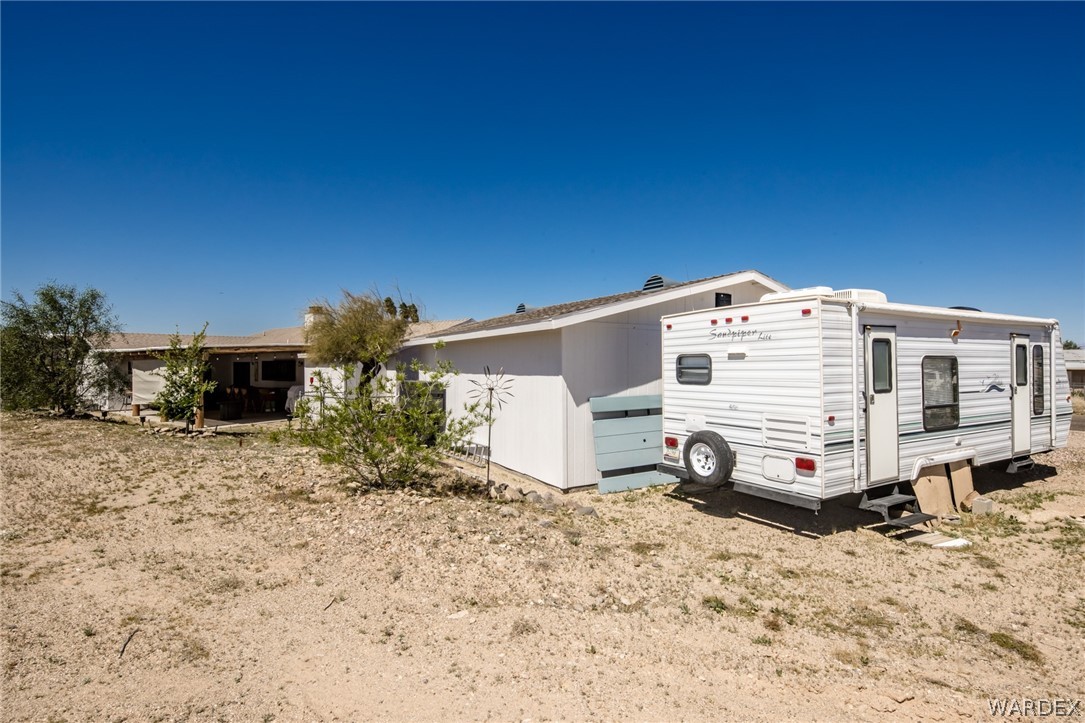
x,y
702,459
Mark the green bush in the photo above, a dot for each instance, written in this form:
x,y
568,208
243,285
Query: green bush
x,y
387,431
185,378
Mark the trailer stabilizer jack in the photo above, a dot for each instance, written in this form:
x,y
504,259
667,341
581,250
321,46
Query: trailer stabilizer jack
x,y
1019,464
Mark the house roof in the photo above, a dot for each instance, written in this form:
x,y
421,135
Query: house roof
x,y
558,315
1074,358
284,338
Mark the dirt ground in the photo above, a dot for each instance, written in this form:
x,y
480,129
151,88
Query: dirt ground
x,y
147,577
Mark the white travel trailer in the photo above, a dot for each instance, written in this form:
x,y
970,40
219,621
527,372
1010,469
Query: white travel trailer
x,y
813,394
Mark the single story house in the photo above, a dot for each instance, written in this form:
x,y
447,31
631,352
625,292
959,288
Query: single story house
x,y
255,371
560,357
1075,367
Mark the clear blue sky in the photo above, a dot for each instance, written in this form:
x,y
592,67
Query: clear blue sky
x,y
232,162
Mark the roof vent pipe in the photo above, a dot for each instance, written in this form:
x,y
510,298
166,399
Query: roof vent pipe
x,y
657,282
523,308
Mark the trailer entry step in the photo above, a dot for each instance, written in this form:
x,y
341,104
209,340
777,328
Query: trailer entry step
x,y
911,520
882,504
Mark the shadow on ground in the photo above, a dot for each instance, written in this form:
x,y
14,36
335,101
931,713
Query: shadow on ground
x,y
991,477
841,514
836,515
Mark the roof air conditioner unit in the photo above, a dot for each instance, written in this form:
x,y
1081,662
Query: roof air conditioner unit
x,y
870,295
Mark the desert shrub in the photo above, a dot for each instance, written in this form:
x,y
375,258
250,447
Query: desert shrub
x,y
387,431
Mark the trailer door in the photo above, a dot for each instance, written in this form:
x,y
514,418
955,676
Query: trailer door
x,y
882,433
1020,397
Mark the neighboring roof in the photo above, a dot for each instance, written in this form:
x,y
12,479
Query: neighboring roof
x,y
290,336
426,328
287,337
558,315
1075,359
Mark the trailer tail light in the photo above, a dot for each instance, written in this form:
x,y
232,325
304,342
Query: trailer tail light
x,y
745,318
805,464
728,320
714,322
671,442
668,327
806,312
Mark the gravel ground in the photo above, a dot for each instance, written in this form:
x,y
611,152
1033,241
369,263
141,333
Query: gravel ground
x,y
150,577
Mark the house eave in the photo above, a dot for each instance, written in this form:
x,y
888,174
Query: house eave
x,y
579,317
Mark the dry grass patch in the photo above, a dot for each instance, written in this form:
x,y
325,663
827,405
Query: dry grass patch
x,y
1027,651
1071,538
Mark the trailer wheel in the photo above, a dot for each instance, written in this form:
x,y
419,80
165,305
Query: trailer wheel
x,y
708,458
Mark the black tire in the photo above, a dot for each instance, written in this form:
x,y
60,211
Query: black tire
x,y
708,459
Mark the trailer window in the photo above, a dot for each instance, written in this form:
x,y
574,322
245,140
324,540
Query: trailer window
x,y
1037,380
941,394
694,369
883,366
1021,364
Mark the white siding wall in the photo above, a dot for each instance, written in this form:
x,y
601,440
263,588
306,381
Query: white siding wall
x,y
527,432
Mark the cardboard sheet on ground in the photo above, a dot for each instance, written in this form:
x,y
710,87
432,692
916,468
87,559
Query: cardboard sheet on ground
x,y
960,477
932,491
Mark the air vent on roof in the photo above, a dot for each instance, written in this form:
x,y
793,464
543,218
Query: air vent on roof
x,y
523,308
861,295
657,282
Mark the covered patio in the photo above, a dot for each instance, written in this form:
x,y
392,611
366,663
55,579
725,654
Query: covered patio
x,y
255,376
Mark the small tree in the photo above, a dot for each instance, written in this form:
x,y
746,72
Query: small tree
x,y
357,332
185,378
1070,344
387,430
52,349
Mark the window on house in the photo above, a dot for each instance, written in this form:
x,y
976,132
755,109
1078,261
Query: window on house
x,y
1037,380
694,369
278,370
941,394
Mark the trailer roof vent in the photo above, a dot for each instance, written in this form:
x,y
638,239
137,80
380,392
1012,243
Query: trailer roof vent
x,y
861,295
657,282
523,308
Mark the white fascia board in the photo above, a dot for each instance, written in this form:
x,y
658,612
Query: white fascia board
x,y
604,311
946,313
544,325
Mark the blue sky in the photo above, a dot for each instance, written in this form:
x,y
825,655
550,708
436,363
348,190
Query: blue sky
x,y
231,163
